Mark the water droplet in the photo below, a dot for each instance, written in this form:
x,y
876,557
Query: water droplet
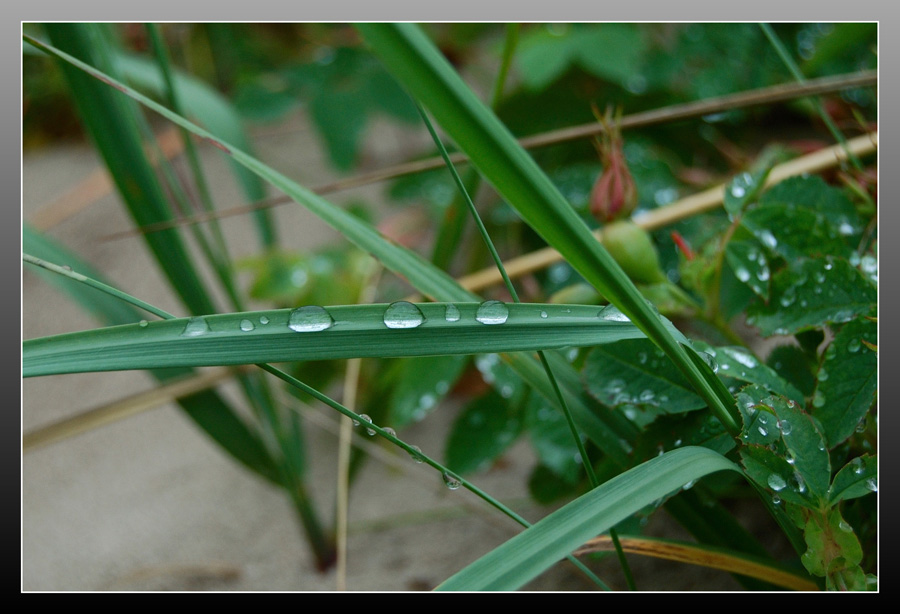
x,y
762,430
872,484
506,391
442,387
858,465
737,191
403,314
646,396
492,312
763,274
767,238
416,454
776,482
389,431
613,314
309,319
711,361
786,427
677,442
543,314
799,483
451,481
818,399
861,426
688,485
195,327
743,274
247,325
451,314
854,345
823,374
143,323
263,320
776,500
366,418
845,527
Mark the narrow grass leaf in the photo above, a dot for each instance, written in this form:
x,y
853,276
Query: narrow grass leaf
x,y
526,555
316,333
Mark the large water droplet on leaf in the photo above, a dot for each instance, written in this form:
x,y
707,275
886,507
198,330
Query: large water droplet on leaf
x,y
492,312
451,481
776,482
309,319
451,314
195,327
403,315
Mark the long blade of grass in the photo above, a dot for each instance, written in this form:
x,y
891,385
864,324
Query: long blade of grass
x,y
114,130
419,65
534,550
349,331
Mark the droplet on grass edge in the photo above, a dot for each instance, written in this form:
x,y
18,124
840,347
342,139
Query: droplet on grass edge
x,y
492,312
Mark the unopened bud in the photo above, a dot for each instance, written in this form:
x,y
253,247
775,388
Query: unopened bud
x,y
614,195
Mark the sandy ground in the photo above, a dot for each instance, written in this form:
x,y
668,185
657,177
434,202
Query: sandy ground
x,y
149,503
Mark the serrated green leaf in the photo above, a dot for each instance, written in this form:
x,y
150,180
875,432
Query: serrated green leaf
x,y
813,292
811,192
804,447
482,432
758,416
749,265
638,374
795,232
526,555
847,380
773,473
857,478
738,363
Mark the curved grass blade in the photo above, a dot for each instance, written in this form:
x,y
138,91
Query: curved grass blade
x,y
314,333
526,555
419,65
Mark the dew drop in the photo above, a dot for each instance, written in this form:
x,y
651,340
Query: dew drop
x,y
451,481
861,426
309,319
763,274
776,482
786,427
451,314
263,320
872,484
543,314
776,500
762,430
743,274
492,312
823,375
853,346
858,465
143,323
768,238
737,191
845,527
613,314
818,399
403,314
416,454
646,396
366,418
195,327
389,431
247,325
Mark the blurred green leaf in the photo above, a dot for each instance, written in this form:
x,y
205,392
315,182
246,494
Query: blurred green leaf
x,y
482,432
422,383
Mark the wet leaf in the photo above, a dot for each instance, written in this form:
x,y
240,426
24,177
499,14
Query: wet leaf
x,y
749,264
813,292
857,478
738,363
847,380
638,374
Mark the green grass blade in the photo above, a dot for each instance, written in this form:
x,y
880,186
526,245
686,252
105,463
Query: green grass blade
x,y
419,65
207,409
114,130
215,113
526,555
357,331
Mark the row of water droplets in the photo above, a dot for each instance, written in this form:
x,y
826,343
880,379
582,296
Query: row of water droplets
x,y
451,481
398,315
